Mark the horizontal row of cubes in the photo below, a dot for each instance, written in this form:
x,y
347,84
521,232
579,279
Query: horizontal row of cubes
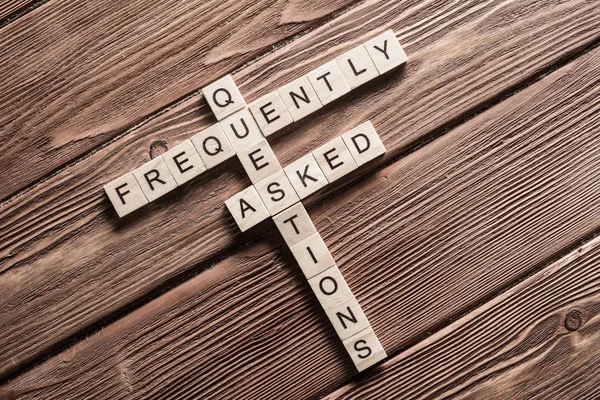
x,y
241,127
275,189
164,173
312,91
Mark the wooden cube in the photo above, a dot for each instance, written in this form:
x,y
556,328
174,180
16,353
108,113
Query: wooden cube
x,y
330,287
295,224
312,255
364,143
306,176
213,146
155,179
270,113
223,97
328,82
125,194
247,208
241,129
184,162
300,98
364,349
277,192
347,318
259,161
334,159
386,52
357,67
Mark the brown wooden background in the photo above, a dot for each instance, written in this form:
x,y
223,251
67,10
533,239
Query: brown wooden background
x,y
471,245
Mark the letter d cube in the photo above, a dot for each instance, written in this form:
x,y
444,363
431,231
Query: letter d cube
x,y
363,143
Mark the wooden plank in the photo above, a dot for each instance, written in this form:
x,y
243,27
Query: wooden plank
x,y
8,7
75,74
419,242
62,246
539,340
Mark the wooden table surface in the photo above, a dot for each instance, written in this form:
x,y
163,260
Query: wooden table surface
x,y
471,245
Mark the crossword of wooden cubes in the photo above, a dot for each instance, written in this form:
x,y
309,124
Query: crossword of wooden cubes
x,y
241,126
275,191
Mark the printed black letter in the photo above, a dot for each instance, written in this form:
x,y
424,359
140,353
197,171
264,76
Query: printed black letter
x,y
324,77
245,206
350,318
154,179
272,189
330,160
266,113
121,195
305,176
257,159
335,286
384,51
291,220
367,348
180,163
367,142
295,96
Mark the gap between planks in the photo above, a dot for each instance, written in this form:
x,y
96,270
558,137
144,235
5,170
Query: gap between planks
x,y
87,125
400,143
429,368
10,12
193,95
356,383
565,115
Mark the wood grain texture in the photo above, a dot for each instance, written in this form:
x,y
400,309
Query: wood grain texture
x,y
419,242
540,340
69,262
8,7
76,73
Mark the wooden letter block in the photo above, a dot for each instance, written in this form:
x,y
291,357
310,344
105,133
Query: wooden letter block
x,y
300,98
241,130
155,178
357,67
328,82
259,161
335,159
277,192
330,287
312,255
306,176
386,52
184,162
213,146
364,349
294,224
347,318
247,208
270,113
363,143
223,97
125,194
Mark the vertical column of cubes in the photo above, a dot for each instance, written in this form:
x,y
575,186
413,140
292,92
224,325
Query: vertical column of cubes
x,y
277,191
329,286
281,200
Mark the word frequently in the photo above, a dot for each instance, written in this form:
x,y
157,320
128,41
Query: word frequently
x,y
276,191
